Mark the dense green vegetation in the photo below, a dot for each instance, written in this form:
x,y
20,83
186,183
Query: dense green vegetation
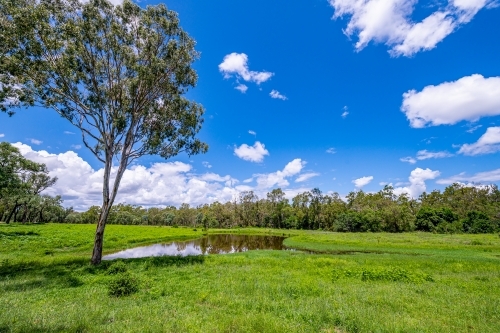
x,y
458,209
21,183
356,282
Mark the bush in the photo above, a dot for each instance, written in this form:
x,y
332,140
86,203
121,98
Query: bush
x,y
117,268
478,223
430,218
390,274
349,222
123,284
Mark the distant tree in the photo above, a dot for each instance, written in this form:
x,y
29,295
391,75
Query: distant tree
x,y
21,182
116,73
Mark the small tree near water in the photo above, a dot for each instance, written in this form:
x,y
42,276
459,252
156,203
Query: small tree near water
x,y
117,73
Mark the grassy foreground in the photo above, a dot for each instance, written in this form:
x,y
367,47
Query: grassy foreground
x,y
354,283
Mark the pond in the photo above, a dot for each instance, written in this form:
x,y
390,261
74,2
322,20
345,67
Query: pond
x,y
211,244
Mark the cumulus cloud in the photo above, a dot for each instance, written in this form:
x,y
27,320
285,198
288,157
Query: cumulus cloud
x,y
279,178
389,22
276,94
488,143
2,135
36,142
170,183
76,147
252,133
363,181
469,98
206,164
417,180
306,176
161,184
236,64
241,87
253,153
480,177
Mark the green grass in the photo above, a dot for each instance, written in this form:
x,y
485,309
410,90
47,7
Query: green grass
x,y
414,282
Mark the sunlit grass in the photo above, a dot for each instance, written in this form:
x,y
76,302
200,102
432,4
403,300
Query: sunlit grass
x,y
412,283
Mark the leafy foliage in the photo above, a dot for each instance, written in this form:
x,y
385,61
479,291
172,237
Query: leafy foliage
x,y
21,182
439,212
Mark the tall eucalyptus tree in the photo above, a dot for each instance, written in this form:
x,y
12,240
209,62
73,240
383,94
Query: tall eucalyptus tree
x,y
117,73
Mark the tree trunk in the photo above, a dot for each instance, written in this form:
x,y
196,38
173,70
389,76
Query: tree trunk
x,y
108,199
99,236
11,213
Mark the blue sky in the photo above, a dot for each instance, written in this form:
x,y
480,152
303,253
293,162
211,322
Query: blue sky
x,y
362,85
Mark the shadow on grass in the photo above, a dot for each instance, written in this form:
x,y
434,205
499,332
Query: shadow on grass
x,y
35,329
18,233
28,275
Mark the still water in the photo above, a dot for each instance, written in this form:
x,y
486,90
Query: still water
x,y
211,244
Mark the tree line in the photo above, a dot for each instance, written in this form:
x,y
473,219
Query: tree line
x,y
457,209
21,184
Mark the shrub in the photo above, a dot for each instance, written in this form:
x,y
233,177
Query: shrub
x,y
349,222
391,274
123,284
430,218
117,267
478,223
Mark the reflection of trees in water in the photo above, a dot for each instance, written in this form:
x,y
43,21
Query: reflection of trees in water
x,y
219,244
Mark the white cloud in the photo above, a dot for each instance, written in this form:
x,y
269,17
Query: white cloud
x,y
345,113
206,164
389,22
276,94
417,179
2,135
69,133
425,154
488,143
252,133
480,177
253,153
241,87
278,178
363,181
331,150
36,142
168,183
236,64
306,176
408,159
468,98
162,184
474,128
76,147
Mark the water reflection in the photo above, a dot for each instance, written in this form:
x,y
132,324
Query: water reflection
x,y
211,244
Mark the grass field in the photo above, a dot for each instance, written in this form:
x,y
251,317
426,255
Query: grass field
x,y
414,282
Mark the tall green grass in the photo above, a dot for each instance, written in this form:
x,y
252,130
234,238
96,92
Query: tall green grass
x,y
354,283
